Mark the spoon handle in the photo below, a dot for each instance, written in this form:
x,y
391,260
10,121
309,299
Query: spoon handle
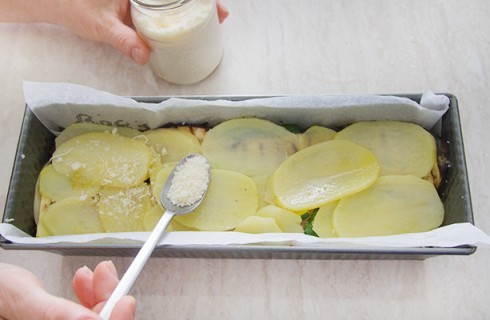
x,y
137,265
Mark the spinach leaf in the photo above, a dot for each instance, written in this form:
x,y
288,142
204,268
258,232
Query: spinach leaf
x,y
309,223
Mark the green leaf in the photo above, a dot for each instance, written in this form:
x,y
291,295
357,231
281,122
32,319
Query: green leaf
x,y
309,224
294,128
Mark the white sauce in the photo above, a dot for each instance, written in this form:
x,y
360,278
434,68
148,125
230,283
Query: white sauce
x,y
186,42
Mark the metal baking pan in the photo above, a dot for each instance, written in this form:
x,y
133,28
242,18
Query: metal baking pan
x,y
36,145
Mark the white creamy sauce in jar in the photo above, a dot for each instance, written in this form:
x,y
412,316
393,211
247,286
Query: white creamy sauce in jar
x,y
186,41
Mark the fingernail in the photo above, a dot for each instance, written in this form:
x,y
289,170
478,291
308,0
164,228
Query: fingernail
x,y
111,267
86,270
226,12
136,55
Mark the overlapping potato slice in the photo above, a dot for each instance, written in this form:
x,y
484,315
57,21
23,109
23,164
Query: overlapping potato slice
x,y
250,146
322,173
231,197
100,158
393,205
314,135
401,147
271,219
172,144
124,209
159,177
56,186
258,224
323,222
70,216
78,129
286,220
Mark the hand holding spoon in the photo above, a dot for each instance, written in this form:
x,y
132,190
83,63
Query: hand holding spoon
x,y
182,193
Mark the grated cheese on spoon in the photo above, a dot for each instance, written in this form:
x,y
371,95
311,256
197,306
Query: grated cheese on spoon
x,y
190,182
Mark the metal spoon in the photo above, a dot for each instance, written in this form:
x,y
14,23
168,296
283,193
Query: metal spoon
x,y
171,209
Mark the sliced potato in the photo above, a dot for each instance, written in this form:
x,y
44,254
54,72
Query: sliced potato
x,y
172,144
231,197
266,196
434,176
103,159
43,205
393,205
401,148
323,222
314,135
322,173
42,231
250,146
286,220
177,226
78,129
152,216
266,192
258,224
124,209
159,177
37,202
56,186
70,216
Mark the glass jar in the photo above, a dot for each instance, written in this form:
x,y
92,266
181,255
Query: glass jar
x,y
184,36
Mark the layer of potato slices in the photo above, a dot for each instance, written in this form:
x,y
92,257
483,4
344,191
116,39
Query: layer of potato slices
x,y
365,180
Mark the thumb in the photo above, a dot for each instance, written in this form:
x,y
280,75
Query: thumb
x,y
127,41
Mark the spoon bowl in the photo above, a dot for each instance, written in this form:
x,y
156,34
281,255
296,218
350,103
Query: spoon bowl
x,y
200,183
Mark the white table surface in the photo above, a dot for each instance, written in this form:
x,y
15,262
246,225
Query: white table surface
x,y
288,47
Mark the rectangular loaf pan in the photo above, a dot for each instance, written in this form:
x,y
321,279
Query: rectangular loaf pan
x,y
36,145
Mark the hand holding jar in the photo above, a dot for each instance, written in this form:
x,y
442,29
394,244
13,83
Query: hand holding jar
x,y
106,21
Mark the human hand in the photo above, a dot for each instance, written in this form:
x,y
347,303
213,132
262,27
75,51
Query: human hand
x,y
93,289
109,21
23,297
